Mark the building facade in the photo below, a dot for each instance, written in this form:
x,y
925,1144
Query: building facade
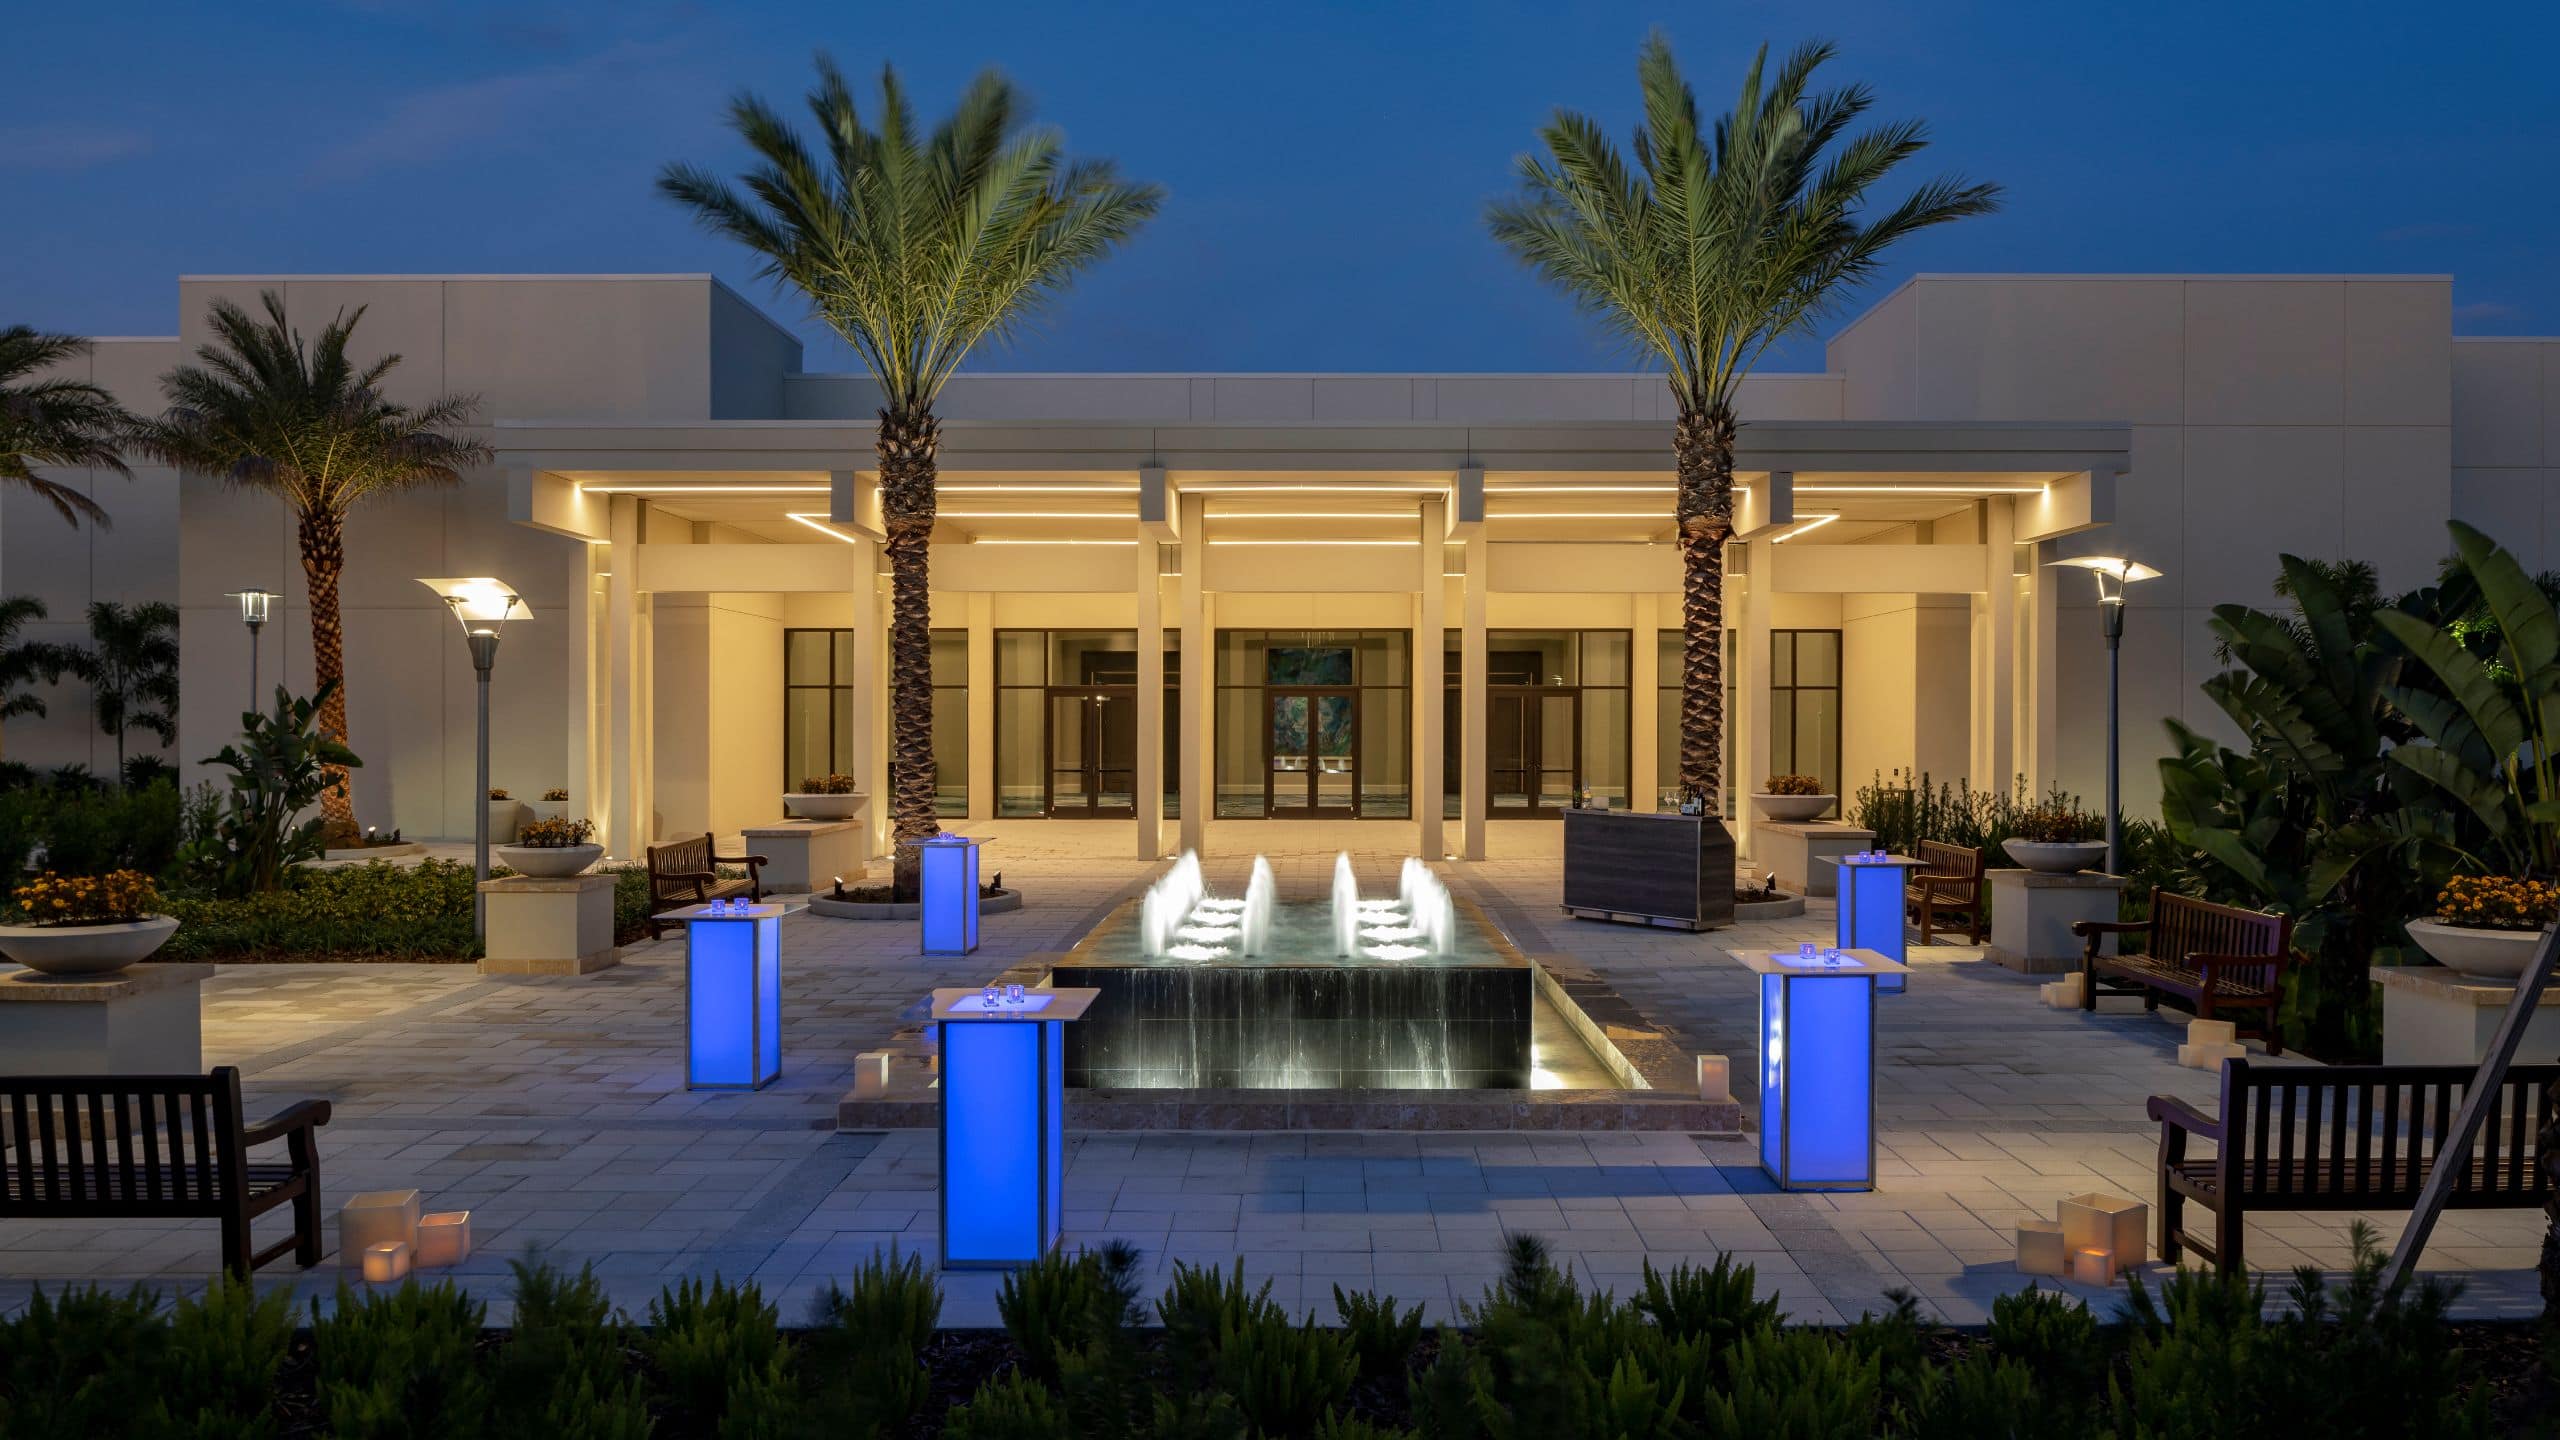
x,y
1445,602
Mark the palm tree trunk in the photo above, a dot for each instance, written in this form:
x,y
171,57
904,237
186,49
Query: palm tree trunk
x,y
1702,449
324,557
908,443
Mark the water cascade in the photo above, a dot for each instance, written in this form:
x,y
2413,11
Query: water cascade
x,y
1346,907
1167,906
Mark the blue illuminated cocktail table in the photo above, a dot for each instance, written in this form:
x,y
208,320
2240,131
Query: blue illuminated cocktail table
x,y
1818,1066
732,995
1870,896
1004,1102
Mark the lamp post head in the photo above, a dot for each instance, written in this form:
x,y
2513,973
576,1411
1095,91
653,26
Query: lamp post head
x,y
482,606
254,606
2112,572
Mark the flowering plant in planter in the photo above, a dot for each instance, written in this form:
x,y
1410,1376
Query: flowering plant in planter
x,y
556,793
555,834
1792,785
829,785
2497,902
118,897
2057,821
498,793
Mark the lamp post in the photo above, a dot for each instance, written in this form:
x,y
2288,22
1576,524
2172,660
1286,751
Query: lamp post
x,y
253,613
482,606
2113,573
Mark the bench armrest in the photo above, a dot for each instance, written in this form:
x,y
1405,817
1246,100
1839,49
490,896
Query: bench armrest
x,y
2169,1110
750,861
685,877
301,1115
2091,929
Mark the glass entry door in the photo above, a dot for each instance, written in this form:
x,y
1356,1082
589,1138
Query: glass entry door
x,y
1311,766
1533,750
1092,744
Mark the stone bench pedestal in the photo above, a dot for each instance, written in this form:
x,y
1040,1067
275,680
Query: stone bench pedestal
x,y
2435,1016
2032,912
142,1020
806,856
543,926
1792,849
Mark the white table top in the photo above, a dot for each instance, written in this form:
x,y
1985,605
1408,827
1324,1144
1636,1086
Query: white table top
x,y
1852,963
1851,862
1066,1003
692,913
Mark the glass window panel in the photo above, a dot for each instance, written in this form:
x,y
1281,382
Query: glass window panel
x,y
1310,664
1666,749
1386,657
1782,736
1386,735
1606,741
1239,735
1022,657
1240,657
804,657
843,648
1604,657
950,751
950,657
1018,758
1817,657
1817,736
1782,658
804,736
842,760
1668,649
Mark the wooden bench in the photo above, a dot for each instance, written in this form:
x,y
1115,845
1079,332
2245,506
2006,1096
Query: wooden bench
x,y
2218,959
1948,883
684,872
2344,1137
159,1146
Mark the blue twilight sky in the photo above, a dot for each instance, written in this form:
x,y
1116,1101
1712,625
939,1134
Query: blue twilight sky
x,y
1327,162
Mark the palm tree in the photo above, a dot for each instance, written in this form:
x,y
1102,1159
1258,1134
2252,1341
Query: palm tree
x,y
262,411
914,247
131,664
55,422
25,662
1709,248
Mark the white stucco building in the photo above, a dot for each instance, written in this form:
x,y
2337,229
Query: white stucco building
x,y
1436,601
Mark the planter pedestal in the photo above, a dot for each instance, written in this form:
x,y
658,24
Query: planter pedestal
x,y
147,1020
548,927
1791,850
2435,1016
2032,912
805,856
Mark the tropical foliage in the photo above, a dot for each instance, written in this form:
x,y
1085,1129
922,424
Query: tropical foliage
x,y
280,766
25,663
307,424
1709,245
1905,808
131,664
915,246
55,423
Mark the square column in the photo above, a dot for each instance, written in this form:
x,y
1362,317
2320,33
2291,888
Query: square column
x,y
626,791
1751,748
982,705
1198,787
1994,757
1150,797
871,698
1644,704
1430,601
1472,681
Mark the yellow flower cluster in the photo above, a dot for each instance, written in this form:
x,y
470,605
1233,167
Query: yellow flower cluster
x,y
107,899
1793,785
555,834
2497,902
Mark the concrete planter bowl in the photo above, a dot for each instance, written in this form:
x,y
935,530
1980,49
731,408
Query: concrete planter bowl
x,y
2057,857
824,807
85,949
2471,950
548,862
1792,807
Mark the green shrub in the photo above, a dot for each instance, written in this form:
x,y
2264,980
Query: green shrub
x,y
71,1365
862,1363
718,1352
1382,1340
1990,1397
1201,1308
1898,1342
1719,1304
1793,1385
402,1365
373,911
224,1351
279,770
2054,1336
1283,1377
565,1372
1061,1305
1011,1406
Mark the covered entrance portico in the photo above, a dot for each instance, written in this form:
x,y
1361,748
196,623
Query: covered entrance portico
x,y
1296,577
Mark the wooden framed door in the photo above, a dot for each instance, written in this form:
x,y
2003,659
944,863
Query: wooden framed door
x,y
1311,752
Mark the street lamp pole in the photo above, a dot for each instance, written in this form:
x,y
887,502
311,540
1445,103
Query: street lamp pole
x,y
2113,573
481,606
253,613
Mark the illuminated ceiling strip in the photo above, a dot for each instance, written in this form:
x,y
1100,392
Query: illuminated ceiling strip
x,y
1032,515
820,525
1404,517
1043,489
1252,488
1314,542
1582,489
1010,540
611,488
1822,489
1663,515
1806,526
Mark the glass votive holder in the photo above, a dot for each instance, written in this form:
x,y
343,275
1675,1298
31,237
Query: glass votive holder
x,y
386,1262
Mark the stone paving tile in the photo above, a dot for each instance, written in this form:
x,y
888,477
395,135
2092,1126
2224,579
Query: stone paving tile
x,y
555,1110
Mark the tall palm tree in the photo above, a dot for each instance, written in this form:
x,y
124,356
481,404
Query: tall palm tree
x,y
23,663
262,411
1707,249
55,422
131,664
914,247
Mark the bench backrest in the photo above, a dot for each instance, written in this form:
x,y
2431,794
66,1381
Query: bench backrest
x,y
680,857
101,1144
1942,860
2369,1131
2182,926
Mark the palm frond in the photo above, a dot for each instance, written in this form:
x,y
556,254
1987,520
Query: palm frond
x,y
56,423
